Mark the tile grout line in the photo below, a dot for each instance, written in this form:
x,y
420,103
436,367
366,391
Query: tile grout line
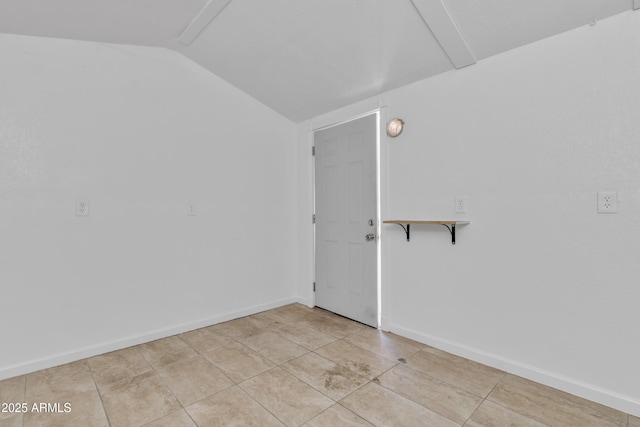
x,y
317,415
234,384
210,362
358,388
417,403
167,385
222,370
453,385
376,381
153,368
354,413
248,378
486,398
182,406
279,365
95,383
337,364
308,327
296,377
257,401
273,361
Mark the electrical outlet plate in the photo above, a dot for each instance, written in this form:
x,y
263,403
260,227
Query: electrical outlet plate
x,y
192,209
607,202
82,207
460,204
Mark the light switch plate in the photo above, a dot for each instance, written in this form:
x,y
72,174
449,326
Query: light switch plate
x,y
461,204
607,202
82,207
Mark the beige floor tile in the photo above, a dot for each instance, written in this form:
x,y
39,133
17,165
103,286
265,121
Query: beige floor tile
x,y
463,373
383,407
293,312
145,385
205,339
176,419
118,365
12,420
12,390
491,415
331,324
285,396
231,408
274,347
443,398
306,336
238,361
385,344
166,350
324,375
66,384
337,416
137,400
239,328
49,385
553,407
82,408
352,357
193,379
269,320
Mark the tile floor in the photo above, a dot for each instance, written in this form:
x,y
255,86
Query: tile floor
x,y
292,366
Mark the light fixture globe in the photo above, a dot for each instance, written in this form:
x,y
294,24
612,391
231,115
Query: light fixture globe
x,y
394,127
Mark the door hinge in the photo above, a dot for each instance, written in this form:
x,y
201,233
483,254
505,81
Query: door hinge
x,y
314,286
313,219
313,150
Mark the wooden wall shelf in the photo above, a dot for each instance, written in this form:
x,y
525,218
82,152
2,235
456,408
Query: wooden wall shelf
x,y
450,224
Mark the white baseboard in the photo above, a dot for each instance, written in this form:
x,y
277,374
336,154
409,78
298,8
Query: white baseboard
x,y
308,301
600,395
385,323
106,347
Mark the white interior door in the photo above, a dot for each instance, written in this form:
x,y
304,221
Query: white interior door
x,y
346,218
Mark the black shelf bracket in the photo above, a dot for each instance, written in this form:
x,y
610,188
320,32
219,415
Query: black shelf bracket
x,y
406,225
407,231
452,230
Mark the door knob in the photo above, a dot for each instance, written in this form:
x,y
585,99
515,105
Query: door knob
x,y
370,236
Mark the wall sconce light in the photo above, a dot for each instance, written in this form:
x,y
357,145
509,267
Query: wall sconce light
x,y
394,127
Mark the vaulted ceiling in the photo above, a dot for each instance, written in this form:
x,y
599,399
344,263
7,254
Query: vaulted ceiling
x,y
307,57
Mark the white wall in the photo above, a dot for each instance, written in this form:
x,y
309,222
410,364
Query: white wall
x,y
140,132
538,284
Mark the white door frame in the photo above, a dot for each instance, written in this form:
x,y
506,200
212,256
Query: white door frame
x,y
346,117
